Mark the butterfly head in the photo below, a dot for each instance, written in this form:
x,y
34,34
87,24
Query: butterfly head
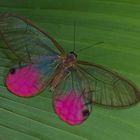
x,y
73,54
70,58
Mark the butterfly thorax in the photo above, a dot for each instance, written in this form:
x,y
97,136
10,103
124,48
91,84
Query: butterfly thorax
x,y
68,63
69,60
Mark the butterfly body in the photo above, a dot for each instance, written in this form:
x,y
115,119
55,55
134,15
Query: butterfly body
x,y
69,61
67,64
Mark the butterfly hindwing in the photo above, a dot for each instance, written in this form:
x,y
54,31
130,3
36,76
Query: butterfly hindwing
x,y
72,97
31,79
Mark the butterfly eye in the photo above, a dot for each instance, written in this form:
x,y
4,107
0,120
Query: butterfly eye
x,y
74,54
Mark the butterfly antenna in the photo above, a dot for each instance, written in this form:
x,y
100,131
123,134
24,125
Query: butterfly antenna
x,y
74,36
90,46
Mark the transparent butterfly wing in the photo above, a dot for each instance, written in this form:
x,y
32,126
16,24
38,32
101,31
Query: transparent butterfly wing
x,y
110,89
33,52
25,39
72,97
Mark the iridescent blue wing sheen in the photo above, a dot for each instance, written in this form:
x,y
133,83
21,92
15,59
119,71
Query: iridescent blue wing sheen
x,y
48,66
110,89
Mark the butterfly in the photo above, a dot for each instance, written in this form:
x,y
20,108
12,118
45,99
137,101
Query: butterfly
x,y
40,63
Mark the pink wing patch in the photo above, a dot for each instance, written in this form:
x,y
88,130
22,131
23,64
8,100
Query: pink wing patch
x,y
70,108
24,81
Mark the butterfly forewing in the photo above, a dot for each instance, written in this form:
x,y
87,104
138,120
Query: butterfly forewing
x,y
110,89
25,39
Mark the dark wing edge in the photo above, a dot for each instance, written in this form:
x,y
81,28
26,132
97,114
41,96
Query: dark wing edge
x,y
125,91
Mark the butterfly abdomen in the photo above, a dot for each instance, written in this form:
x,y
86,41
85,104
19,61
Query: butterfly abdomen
x,y
57,79
66,66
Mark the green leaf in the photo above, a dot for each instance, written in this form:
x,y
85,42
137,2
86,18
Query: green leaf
x,y
117,23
